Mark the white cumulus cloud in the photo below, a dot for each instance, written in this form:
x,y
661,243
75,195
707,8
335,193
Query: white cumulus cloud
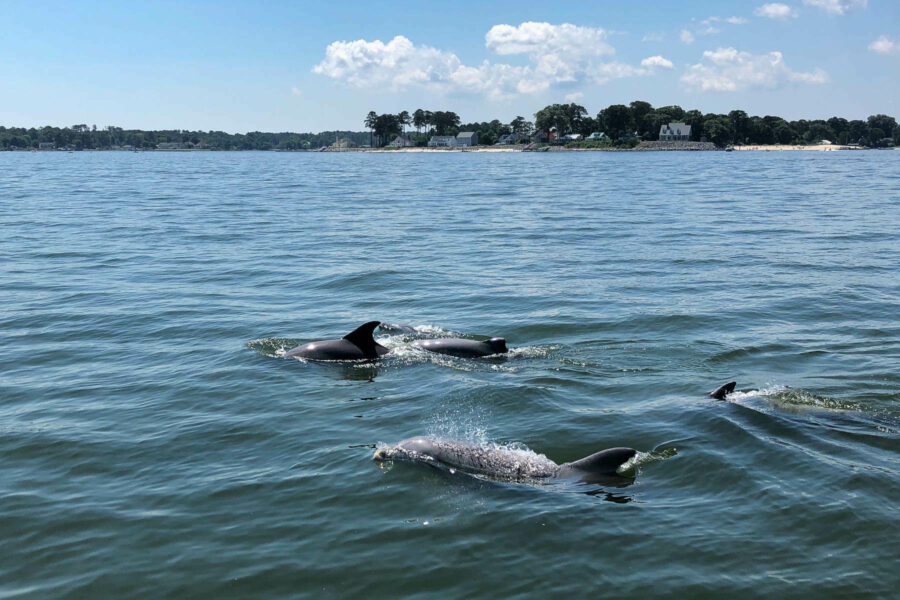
x,y
541,39
836,7
736,20
885,45
558,54
657,61
729,70
687,37
574,97
775,10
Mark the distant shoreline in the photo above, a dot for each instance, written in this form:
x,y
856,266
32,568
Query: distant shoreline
x,y
650,147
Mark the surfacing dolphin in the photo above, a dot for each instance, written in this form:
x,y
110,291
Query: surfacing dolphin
x,y
356,345
720,392
508,464
464,348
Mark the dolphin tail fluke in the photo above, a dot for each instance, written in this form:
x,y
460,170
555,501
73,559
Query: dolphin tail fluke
x,y
361,337
720,392
606,462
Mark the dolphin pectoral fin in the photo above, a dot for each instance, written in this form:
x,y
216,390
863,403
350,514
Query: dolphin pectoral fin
x,y
604,462
361,337
720,392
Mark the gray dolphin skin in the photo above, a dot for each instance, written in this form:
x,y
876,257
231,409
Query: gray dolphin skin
x,y
505,463
356,345
396,329
720,392
464,348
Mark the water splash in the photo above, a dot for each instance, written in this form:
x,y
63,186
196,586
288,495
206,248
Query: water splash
x,y
274,347
784,396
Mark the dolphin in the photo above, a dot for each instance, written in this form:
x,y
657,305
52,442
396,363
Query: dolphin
x,y
396,328
356,345
464,348
720,392
506,463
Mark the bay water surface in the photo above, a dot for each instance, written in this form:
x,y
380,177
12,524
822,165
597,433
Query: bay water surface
x,y
155,444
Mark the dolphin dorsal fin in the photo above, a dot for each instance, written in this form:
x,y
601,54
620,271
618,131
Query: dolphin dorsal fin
x,y
361,337
720,392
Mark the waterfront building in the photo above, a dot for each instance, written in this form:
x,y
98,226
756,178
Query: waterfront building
x,y
675,132
466,138
402,141
442,141
512,138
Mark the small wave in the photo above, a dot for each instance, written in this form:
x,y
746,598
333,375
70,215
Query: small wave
x,y
272,347
532,351
640,459
788,396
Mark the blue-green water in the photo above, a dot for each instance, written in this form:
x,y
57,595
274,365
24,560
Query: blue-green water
x,y
153,445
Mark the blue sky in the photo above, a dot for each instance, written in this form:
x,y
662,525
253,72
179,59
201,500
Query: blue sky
x,y
312,66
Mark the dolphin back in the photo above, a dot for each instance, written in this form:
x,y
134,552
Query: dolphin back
x,y
463,348
605,462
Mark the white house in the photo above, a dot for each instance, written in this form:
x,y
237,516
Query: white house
x,y
673,132
402,141
442,141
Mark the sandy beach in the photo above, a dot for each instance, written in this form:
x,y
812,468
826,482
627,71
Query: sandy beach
x,y
782,147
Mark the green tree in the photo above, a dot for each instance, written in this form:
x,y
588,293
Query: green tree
x,y
783,133
616,120
419,119
883,122
386,125
740,124
818,131
371,118
858,130
676,112
694,118
639,110
575,114
404,119
521,126
718,129
554,116
876,134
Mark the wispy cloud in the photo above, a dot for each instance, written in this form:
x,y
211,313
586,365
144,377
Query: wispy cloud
x,y
729,70
687,37
653,37
574,96
295,91
837,7
710,24
563,54
775,10
885,46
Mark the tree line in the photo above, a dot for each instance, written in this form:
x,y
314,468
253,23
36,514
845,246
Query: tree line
x,y
642,120
621,124
83,137
627,124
